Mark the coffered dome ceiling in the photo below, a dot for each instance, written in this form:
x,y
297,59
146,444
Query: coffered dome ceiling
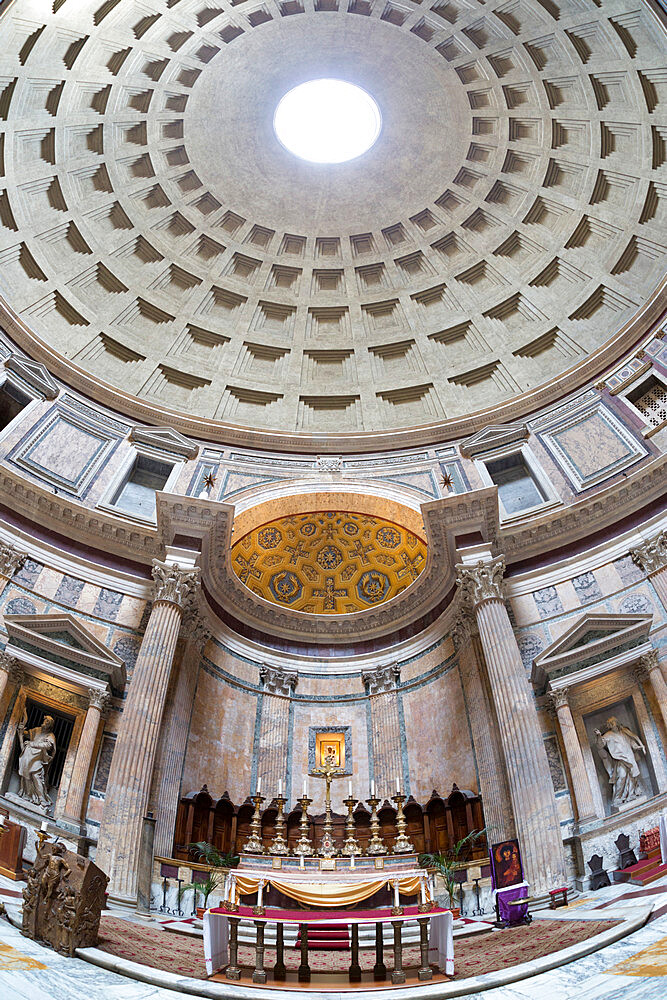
x,y
507,223
329,562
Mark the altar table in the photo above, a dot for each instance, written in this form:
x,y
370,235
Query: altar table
x,y
221,940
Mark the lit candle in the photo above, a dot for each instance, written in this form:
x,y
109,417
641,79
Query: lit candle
x,y
280,787
44,827
259,785
349,788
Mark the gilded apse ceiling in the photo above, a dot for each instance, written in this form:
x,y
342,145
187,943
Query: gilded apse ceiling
x,y
154,233
328,562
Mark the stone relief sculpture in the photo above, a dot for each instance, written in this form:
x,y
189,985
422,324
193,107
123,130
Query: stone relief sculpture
x,y
617,746
38,748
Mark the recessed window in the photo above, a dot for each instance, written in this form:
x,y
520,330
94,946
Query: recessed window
x,y
12,401
650,399
137,493
327,121
517,487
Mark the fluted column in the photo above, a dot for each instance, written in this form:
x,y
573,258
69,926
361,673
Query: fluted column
x,y
134,756
581,787
10,560
652,557
648,669
75,804
529,779
175,736
494,789
10,672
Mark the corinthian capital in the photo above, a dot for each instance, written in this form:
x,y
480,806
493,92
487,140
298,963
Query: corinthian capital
x,y
10,666
10,560
101,700
174,584
558,699
277,680
481,582
645,664
651,555
381,680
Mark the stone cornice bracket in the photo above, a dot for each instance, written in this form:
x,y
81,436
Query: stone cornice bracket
x,y
481,582
277,680
173,584
100,700
651,555
11,666
10,560
382,680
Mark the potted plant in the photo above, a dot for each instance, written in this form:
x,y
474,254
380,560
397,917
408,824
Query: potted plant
x,y
447,864
212,856
213,882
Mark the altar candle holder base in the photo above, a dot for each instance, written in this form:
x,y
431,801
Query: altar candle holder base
x,y
401,845
350,846
303,847
259,911
230,907
424,907
375,845
397,911
253,844
279,846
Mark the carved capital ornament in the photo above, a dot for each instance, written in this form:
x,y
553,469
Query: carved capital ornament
x,y
652,555
101,700
645,665
382,680
10,560
481,582
558,699
10,666
173,584
277,680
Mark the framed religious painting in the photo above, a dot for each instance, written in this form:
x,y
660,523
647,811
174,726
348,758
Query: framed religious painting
x,y
506,866
330,749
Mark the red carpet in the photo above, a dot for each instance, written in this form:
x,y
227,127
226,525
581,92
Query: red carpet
x,y
499,950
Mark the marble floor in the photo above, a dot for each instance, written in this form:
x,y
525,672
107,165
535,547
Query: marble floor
x,y
634,968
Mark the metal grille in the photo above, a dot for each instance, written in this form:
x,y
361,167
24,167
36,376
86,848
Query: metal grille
x,y
62,731
653,404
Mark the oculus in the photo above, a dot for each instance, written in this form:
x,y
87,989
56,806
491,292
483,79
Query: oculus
x,y
327,121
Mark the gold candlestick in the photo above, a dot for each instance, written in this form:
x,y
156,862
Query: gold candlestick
x,y
401,845
303,845
253,844
279,845
328,772
350,847
42,836
375,845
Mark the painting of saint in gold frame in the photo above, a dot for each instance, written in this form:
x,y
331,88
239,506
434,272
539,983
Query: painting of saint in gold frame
x,y
330,749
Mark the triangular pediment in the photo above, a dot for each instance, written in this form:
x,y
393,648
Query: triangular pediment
x,y
34,374
493,436
62,639
592,639
165,439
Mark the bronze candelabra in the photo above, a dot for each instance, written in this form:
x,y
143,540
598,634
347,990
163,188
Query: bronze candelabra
x,y
303,845
375,845
350,846
401,845
279,845
253,844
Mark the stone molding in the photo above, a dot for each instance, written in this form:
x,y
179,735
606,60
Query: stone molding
x,y
174,584
10,560
33,374
101,700
481,582
651,555
383,679
164,439
277,680
492,437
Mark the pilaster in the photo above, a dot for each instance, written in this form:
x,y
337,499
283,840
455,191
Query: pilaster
x,y
382,687
77,793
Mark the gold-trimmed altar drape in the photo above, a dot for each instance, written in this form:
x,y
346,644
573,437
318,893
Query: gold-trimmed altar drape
x,y
329,894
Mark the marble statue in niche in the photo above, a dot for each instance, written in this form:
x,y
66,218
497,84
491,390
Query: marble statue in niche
x,y
38,748
617,746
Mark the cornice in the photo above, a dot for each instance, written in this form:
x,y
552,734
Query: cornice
x,y
378,440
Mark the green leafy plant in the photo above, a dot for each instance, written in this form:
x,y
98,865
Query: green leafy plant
x,y
210,855
448,863
214,881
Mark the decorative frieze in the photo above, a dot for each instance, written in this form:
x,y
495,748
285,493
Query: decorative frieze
x,y
277,680
173,584
651,555
481,582
10,560
382,679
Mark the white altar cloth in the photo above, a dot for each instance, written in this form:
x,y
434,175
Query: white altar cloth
x,y
441,942
662,823
216,941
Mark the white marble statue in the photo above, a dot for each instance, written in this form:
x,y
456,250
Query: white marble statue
x,y
617,746
38,747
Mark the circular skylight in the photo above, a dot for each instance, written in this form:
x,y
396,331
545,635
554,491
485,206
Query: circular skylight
x,y
327,121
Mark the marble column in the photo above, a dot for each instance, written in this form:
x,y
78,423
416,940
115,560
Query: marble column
x,y
10,560
75,804
10,672
529,779
381,683
175,736
652,557
581,787
131,770
278,685
648,669
494,788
